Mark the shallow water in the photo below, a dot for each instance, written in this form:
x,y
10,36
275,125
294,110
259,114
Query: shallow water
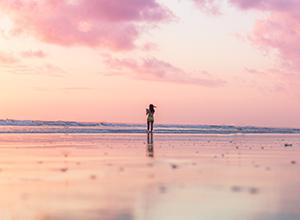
x,y
9,126
132,177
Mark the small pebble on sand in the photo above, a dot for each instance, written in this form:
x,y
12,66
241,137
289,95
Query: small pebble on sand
x,y
63,170
174,166
236,189
162,189
253,190
93,177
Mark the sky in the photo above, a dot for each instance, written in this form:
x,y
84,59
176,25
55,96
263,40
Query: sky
x,y
231,62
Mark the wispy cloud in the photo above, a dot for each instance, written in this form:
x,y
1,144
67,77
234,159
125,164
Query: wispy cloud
x,y
33,54
254,71
7,58
280,30
209,6
77,88
157,70
96,23
24,69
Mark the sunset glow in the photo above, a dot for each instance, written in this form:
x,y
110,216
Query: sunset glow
x,y
6,25
200,61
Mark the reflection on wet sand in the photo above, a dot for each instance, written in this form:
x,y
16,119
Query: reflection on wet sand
x,y
150,146
108,177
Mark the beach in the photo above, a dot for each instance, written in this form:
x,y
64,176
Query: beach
x,y
166,177
150,110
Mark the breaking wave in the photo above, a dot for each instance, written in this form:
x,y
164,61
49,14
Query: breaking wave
x,y
30,126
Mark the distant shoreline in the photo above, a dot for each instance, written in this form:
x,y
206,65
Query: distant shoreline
x,y
73,127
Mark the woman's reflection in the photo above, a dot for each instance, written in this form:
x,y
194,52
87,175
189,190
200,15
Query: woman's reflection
x,y
150,148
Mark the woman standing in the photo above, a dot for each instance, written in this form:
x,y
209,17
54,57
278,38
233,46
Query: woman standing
x,y
150,117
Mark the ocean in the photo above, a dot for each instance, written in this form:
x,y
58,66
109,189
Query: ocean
x,y
47,127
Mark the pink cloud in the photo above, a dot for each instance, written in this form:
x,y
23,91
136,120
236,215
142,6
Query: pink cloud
x,y
149,46
158,70
280,30
95,23
31,53
279,5
6,58
210,6
275,33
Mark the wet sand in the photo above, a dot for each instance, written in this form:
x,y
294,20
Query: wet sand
x,y
130,177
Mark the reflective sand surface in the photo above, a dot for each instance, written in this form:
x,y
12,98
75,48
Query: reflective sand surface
x,y
135,177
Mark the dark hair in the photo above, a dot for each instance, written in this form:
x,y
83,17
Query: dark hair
x,y
151,108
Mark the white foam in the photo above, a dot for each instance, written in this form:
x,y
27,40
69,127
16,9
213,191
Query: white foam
x,y
30,126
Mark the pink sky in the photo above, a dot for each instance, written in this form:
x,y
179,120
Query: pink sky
x,y
200,61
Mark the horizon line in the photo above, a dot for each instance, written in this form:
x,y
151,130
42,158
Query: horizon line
x,y
136,123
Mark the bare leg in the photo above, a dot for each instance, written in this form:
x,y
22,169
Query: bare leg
x,y
151,123
148,126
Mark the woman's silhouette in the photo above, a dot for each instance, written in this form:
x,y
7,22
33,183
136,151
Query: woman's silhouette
x,y
150,117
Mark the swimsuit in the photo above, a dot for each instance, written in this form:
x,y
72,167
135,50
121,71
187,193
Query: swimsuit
x,y
150,117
